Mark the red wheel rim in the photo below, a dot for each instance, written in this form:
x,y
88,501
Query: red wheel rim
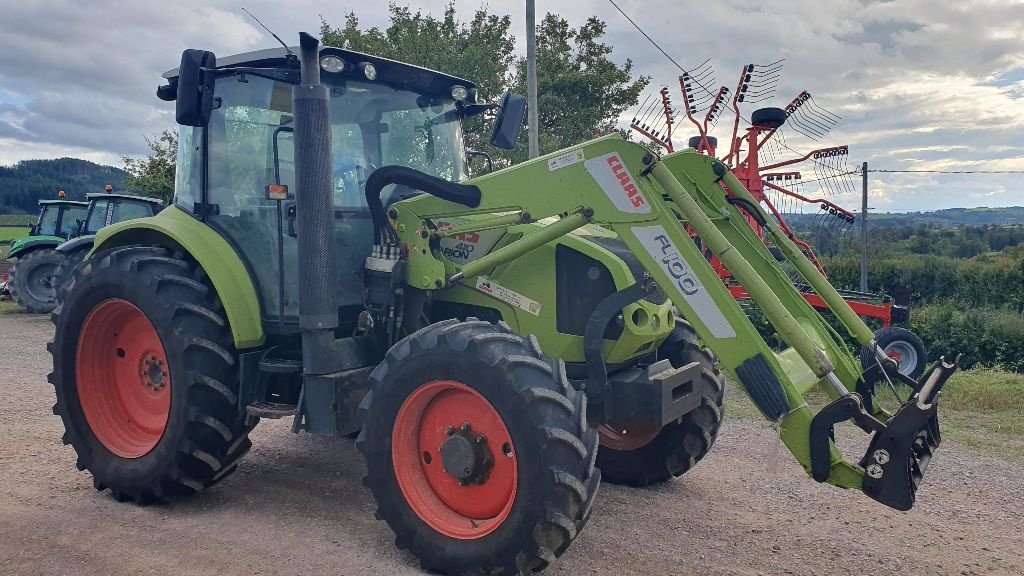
x,y
423,423
123,379
628,435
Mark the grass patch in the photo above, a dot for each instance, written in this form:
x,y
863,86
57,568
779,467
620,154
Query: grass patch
x,y
9,307
11,233
981,408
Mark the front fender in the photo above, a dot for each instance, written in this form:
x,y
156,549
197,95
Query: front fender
x,y
79,243
176,229
29,243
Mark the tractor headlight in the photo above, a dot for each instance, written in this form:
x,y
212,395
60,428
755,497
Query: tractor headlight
x,y
369,70
459,93
332,64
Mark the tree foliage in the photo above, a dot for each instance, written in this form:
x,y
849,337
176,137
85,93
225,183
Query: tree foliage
x,y
581,90
154,175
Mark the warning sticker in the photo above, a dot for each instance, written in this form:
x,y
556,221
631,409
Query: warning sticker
x,y
563,160
512,297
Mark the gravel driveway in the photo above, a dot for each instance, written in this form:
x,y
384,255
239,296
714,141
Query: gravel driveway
x,y
296,506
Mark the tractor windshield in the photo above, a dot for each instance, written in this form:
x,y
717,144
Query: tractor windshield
x,y
250,144
251,139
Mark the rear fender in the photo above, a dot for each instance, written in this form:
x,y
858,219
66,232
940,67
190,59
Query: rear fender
x,y
28,244
76,244
178,230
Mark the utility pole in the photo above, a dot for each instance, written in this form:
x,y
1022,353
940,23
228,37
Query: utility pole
x,y
531,78
864,230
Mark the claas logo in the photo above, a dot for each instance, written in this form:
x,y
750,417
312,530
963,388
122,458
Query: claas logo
x,y
628,186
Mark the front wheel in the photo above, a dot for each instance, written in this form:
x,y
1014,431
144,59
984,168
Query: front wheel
x,y
478,450
638,453
31,280
146,376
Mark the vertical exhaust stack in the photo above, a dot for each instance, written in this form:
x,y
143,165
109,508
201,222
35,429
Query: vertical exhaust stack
x,y
318,306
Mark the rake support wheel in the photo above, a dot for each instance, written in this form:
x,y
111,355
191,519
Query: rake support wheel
x,y
477,450
146,376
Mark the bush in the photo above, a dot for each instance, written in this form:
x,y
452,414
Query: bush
x,y
986,336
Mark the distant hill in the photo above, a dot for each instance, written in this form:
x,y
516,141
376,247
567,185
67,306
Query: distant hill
x,y
947,217
24,183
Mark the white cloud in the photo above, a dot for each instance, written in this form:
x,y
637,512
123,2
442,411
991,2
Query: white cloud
x,y
918,83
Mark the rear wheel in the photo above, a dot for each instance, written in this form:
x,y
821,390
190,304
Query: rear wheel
x,y
31,280
639,453
62,275
477,450
146,376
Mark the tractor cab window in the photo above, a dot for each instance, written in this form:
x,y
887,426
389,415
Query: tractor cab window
x,y
97,216
130,210
250,144
48,216
70,220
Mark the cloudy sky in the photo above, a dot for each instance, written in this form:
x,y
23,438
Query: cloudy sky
x,y
919,84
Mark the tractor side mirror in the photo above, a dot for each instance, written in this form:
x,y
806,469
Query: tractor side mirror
x,y
509,122
195,87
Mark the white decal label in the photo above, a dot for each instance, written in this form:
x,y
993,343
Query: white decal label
x,y
567,159
661,248
463,248
618,184
506,295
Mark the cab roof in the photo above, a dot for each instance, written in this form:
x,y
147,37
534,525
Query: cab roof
x,y
59,201
391,72
101,195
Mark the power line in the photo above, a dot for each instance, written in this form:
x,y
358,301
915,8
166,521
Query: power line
x,y
651,40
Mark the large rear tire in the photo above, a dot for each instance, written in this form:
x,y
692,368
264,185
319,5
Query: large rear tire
x,y
62,275
517,499
146,376
31,280
639,454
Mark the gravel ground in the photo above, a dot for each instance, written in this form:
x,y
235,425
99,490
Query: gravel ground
x,y
296,506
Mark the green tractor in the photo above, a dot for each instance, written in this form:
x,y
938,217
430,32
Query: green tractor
x,y
497,342
31,278
105,208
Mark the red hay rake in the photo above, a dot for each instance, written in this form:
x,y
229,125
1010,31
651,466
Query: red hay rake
x,y
765,164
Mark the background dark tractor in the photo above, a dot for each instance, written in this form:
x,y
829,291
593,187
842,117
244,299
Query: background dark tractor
x,y
105,208
326,260
31,277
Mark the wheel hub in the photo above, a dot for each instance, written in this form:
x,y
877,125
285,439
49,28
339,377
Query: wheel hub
x,y
454,459
465,455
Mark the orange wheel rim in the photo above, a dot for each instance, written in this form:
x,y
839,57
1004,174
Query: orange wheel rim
x,y
123,378
629,435
446,414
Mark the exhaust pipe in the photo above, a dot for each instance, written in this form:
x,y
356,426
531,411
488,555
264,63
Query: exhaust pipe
x,y
318,305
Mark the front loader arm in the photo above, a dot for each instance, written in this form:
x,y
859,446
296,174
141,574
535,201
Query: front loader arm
x,y
622,186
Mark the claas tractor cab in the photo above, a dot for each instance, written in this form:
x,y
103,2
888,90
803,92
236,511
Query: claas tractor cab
x,y
500,344
104,208
31,278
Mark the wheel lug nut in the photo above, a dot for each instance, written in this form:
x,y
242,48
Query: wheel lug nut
x,y
449,430
464,427
481,439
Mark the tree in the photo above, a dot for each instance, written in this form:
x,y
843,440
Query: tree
x,y
154,175
581,90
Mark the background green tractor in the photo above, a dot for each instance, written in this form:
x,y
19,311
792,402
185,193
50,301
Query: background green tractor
x,y
490,339
105,208
31,278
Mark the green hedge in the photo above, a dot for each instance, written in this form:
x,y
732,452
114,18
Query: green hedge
x,y
986,336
